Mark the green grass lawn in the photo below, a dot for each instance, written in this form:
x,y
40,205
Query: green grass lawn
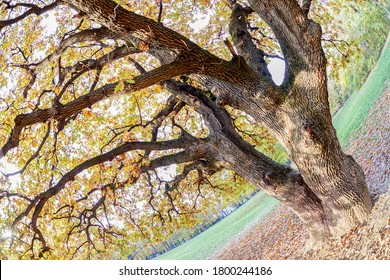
x,y
349,119
210,241
347,123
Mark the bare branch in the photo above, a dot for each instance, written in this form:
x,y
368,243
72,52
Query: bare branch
x,y
243,40
180,177
5,193
82,36
158,37
333,42
122,21
177,158
172,106
297,35
35,155
61,112
34,9
83,66
230,47
193,152
160,11
182,142
199,165
306,6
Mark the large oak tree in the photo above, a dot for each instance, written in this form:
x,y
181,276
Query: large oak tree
x,y
92,113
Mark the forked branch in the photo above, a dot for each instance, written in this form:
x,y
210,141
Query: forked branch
x,y
32,9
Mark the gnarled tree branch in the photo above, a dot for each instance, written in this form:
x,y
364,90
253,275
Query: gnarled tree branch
x,y
183,142
33,9
243,42
306,6
299,38
61,112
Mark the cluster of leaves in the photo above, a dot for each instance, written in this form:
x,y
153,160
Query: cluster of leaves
x,y
353,39
98,179
353,36
108,206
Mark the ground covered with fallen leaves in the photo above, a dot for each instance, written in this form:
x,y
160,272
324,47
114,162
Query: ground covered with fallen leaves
x,y
282,236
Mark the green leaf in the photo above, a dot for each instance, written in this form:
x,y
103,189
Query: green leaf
x,y
119,87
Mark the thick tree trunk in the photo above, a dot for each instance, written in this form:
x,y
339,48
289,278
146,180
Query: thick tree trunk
x,y
336,195
336,179
329,192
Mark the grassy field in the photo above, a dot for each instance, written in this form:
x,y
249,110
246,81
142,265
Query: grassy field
x,y
349,119
210,241
347,123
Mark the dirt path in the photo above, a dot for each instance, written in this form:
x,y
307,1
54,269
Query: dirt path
x,y
282,236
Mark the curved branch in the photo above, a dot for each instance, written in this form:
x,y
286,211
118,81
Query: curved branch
x,y
232,152
180,143
306,6
243,41
122,21
177,158
83,66
33,9
109,156
200,165
159,38
35,155
299,37
5,193
82,36
60,112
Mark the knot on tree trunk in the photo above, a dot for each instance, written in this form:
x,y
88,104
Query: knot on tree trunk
x,y
223,100
309,139
269,177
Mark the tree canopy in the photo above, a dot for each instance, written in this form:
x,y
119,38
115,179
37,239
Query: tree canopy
x,y
124,120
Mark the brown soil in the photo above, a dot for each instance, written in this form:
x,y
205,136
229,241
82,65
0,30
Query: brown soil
x,y
282,236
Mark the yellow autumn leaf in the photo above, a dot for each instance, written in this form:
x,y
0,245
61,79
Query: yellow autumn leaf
x,y
88,113
76,186
128,136
119,87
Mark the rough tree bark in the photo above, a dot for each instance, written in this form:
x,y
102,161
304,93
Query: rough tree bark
x,y
328,192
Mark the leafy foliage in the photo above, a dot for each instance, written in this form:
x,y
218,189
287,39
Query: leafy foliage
x,y
354,45
98,142
44,61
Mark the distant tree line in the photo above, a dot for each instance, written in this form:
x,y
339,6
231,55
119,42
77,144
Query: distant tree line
x,y
184,235
368,26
